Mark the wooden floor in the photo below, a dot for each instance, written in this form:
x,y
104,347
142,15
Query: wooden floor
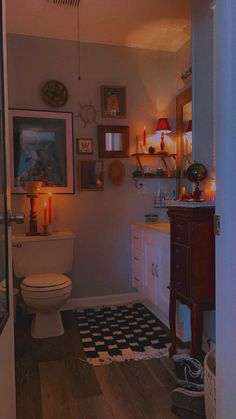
x,y
53,381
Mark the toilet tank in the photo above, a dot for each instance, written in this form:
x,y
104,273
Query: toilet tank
x,y
42,254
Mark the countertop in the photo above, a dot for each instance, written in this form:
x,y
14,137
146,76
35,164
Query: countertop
x,y
191,204
163,226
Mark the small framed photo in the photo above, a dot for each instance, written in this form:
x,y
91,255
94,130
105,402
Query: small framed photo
x,y
84,146
113,101
90,175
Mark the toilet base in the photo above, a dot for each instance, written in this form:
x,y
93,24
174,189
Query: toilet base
x,y
47,325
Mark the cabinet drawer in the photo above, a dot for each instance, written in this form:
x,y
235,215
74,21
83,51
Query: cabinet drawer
x,y
180,231
180,268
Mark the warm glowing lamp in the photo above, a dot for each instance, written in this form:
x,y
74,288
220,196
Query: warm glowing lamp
x,y
163,126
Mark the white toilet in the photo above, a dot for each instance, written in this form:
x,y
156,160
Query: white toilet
x,y
42,261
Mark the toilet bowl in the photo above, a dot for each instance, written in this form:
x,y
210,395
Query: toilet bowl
x,y
46,294
42,262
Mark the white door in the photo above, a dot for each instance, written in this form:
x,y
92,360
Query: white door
x,y
7,374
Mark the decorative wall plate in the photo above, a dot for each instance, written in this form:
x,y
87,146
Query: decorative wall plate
x,y
116,172
54,93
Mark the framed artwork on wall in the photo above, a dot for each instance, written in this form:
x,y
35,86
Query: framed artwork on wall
x,y
42,150
84,146
113,101
90,175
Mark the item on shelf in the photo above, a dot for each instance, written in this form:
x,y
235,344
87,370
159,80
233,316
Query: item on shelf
x,y
160,172
151,150
151,218
137,173
147,170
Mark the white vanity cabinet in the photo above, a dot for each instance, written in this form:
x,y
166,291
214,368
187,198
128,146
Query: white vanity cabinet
x,y
151,265
151,273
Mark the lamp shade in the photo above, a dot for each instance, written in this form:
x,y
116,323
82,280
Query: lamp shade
x,y
163,125
189,129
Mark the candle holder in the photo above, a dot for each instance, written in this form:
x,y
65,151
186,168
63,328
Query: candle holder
x,y
46,231
32,187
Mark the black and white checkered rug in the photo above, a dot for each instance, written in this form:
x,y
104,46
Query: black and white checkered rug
x,y
121,333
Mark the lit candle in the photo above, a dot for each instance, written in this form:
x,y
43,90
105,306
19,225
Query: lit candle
x,y
144,135
50,208
210,191
45,213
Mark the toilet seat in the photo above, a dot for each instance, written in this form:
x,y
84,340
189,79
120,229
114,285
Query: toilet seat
x,y
51,280
45,286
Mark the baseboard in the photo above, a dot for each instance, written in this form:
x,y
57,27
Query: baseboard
x,y
75,303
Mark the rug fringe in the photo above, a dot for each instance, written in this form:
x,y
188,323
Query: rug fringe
x,y
150,353
115,305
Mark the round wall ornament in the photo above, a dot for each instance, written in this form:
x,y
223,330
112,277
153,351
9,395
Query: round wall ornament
x,y
54,93
116,172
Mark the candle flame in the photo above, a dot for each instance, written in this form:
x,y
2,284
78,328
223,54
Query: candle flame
x,y
50,194
45,204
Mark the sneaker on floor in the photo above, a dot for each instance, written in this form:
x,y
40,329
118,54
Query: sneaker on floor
x,y
190,400
189,370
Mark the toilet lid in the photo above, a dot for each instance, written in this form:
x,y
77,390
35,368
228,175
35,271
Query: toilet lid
x,y
45,280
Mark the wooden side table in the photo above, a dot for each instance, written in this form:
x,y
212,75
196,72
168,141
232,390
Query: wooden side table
x,y
192,269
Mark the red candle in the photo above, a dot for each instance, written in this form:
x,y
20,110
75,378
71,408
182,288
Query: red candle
x,y
50,208
144,135
45,213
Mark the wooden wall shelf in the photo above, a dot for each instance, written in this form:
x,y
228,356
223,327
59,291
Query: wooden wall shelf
x,y
163,155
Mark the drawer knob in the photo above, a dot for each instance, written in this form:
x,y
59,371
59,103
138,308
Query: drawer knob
x,y
177,250
177,266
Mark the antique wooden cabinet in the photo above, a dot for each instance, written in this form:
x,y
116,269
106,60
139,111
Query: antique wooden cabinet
x,y
192,279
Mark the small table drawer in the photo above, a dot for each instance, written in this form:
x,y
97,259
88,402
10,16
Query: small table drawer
x,y
180,268
180,232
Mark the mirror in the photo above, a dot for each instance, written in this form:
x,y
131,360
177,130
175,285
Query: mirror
x,y
184,135
113,141
4,286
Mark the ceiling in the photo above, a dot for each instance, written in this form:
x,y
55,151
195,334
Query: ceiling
x,y
163,25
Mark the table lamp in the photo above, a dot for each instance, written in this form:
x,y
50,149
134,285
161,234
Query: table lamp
x,y
163,126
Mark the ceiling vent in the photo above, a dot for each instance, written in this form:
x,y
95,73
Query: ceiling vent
x,y
65,2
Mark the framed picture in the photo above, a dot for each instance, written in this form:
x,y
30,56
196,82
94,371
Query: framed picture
x,y
90,175
42,150
113,101
84,146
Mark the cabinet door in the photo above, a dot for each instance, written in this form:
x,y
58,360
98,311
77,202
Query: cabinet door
x,y
150,280
137,258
